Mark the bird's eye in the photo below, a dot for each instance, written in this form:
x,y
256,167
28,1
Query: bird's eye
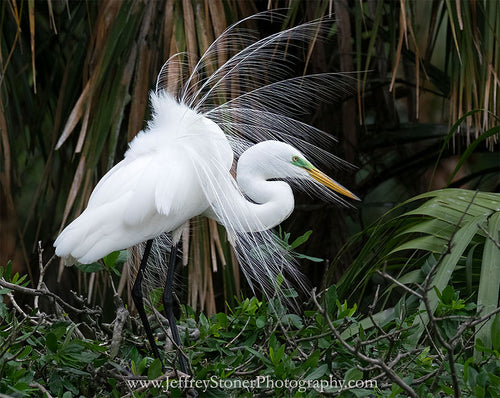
x,y
295,158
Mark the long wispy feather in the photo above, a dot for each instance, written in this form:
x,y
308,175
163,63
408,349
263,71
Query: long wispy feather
x,y
254,96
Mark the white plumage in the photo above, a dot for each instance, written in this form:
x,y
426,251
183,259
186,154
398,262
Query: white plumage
x,y
179,166
154,189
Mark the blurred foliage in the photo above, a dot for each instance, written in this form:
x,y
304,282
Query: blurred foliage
x,y
95,63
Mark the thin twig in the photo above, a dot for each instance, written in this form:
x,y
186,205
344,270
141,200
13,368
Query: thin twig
x,y
16,306
121,317
239,334
429,335
383,334
40,276
46,292
473,323
41,388
495,242
371,308
426,377
389,336
376,362
396,282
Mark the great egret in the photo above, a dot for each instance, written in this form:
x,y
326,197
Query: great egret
x,y
179,167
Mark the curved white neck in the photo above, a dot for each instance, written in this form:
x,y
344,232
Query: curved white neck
x,y
270,202
274,201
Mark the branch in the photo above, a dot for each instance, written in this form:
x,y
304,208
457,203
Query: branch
x,y
16,306
46,292
472,323
495,242
396,282
376,362
121,317
41,388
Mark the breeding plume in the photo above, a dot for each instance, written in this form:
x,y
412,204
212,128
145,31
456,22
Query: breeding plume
x,y
180,166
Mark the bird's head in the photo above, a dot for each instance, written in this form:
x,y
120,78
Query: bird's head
x,y
275,159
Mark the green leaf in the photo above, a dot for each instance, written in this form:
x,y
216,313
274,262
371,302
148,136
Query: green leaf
x,y
292,320
320,371
310,258
427,243
51,342
142,365
258,355
448,295
353,374
76,372
7,271
312,360
444,271
495,332
468,268
25,352
123,256
155,369
94,267
204,324
110,259
331,299
489,282
300,240
361,332
222,320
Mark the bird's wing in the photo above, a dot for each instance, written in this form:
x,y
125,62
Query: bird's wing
x,y
99,229
119,181
133,180
158,183
178,193
132,203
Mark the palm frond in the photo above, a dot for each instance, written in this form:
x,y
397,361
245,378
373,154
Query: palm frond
x,y
439,235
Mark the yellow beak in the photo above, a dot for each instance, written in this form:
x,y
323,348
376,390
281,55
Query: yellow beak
x,y
328,182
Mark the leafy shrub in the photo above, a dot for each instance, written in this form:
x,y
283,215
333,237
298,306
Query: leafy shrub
x,y
330,345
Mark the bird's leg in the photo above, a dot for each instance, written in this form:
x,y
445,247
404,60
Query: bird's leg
x,y
169,310
139,299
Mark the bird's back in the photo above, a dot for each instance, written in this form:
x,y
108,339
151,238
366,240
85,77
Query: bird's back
x,y
156,188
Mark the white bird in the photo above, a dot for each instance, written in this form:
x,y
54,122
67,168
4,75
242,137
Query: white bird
x,y
179,167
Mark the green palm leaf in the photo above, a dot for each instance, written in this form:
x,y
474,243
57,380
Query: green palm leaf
x,y
444,230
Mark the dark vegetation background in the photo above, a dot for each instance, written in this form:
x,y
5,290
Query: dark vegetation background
x,y
75,76
74,82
